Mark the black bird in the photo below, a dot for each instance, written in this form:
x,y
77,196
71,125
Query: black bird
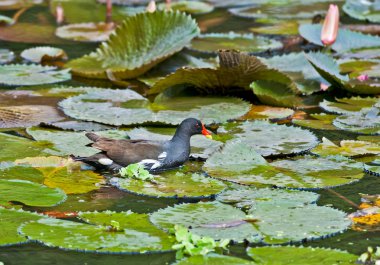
x,y
155,156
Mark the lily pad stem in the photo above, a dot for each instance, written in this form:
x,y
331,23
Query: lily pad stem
x,y
343,198
109,12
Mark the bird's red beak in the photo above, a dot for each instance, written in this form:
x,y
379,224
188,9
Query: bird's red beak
x,y
205,132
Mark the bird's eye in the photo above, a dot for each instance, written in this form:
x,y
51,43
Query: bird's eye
x,y
197,125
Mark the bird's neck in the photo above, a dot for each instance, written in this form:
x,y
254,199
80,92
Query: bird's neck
x,y
181,137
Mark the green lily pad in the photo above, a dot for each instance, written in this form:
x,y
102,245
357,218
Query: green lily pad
x,y
126,107
280,27
201,147
213,259
236,71
239,163
347,148
18,4
298,255
29,75
27,115
356,68
346,39
373,167
320,121
368,11
164,33
76,126
6,56
194,217
42,54
213,42
86,32
285,10
13,147
29,193
172,184
362,122
273,139
191,7
10,171
134,233
10,221
227,3
348,105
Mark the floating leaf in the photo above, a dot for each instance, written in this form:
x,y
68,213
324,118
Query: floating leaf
x,y
239,163
218,223
27,115
28,75
10,221
298,255
281,27
368,11
361,122
126,107
273,139
226,3
29,193
261,112
172,184
128,55
76,126
6,56
6,21
43,54
201,147
191,7
236,71
347,148
320,121
10,171
86,32
17,4
213,259
367,218
356,68
212,42
348,105
346,40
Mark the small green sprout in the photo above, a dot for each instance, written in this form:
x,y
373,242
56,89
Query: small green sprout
x,y
136,171
190,244
371,257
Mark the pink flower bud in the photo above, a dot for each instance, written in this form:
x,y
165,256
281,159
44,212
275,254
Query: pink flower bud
x,y
330,26
59,13
362,78
151,7
323,87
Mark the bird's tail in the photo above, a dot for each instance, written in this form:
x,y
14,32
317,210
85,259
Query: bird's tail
x,y
93,136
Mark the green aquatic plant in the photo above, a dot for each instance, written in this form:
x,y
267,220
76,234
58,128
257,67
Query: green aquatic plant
x,y
136,171
371,256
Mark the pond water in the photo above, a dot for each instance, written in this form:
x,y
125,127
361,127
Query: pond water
x,y
110,198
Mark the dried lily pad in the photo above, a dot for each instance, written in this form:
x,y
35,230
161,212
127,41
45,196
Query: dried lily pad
x,y
213,259
172,184
347,148
127,54
42,54
133,234
191,7
240,163
27,115
298,255
320,121
29,75
348,105
126,107
29,193
273,139
236,71
86,32
214,224
6,56
201,147
17,4
363,10
10,221
212,42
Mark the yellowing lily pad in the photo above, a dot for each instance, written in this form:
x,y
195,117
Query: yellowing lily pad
x,y
319,121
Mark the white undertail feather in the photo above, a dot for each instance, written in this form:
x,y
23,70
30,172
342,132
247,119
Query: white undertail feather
x,y
105,161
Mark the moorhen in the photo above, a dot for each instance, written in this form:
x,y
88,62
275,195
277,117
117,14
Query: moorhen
x,y
155,156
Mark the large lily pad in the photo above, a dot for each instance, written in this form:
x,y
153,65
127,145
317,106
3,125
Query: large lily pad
x,y
319,121
346,40
347,148
126,107
108,232
348,105
204,219
27,115
28,75
191,7
236,71
201,147
127,54
273,139
299,255
29,193
172,184
212,42
86,32
213,259
240,163
363,10
10,221
364,122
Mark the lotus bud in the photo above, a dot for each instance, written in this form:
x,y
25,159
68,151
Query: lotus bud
x,y
362,78
109,12
59,12
330,26
151,7
168,4
323,87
